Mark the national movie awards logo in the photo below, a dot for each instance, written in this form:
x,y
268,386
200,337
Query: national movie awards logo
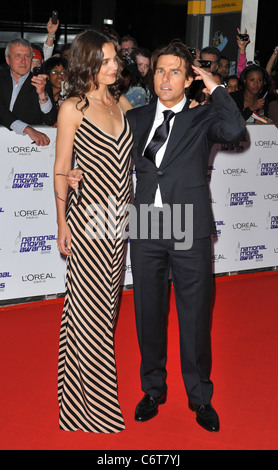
x,y
269,169
34,244
32,180
3,277
244,198
271,221
219,224
250,253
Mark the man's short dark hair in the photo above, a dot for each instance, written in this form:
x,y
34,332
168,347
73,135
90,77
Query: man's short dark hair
x,y
211,50
225,58
129,38
178,49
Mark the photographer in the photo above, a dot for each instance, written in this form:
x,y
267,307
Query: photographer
x,y
23,100
211,55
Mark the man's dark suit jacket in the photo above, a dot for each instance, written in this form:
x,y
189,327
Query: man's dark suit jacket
x,y
182,175
26,107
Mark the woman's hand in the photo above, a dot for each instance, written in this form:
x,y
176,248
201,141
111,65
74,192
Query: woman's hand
x,y
64,239
259,104
74,177
242,44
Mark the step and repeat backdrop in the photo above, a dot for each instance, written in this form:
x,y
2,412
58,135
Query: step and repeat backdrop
x,y
243,182
244,197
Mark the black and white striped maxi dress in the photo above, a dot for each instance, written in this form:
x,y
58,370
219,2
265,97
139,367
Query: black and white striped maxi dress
x,y
87,382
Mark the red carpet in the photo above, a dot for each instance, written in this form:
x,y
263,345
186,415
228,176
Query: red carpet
x,y
245,352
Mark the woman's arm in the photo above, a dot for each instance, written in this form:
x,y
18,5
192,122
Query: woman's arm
x,y
68,122
271,61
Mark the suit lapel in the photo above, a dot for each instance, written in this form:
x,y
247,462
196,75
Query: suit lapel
x,y
25,91
146,121
181,125
8,84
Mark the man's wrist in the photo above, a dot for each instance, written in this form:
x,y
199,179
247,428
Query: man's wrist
x,y
43,98
216,86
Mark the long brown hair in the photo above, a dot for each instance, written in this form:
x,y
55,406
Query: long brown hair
x,y
85,61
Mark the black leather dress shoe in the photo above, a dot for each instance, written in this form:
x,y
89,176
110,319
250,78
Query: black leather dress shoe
x,y
206,416
147,408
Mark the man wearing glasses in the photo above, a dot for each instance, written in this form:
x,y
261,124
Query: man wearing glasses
x,y
128,44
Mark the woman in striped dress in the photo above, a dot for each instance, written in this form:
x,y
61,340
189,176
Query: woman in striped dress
x,y
91,126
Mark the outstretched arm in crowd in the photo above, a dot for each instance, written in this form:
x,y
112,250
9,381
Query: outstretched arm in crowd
x,y
49,43
269,66
241,64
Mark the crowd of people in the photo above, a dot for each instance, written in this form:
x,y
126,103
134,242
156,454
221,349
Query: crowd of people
x,y
112,100
253,87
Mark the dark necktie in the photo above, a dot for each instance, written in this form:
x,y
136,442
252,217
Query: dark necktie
x,y
160,136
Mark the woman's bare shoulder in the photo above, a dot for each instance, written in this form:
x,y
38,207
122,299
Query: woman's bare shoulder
x,y
124,104
70,112
71,104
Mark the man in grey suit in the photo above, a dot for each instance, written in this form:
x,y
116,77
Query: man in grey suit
x,y
175,177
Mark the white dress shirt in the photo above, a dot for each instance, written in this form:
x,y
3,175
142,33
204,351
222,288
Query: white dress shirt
x,y
158,120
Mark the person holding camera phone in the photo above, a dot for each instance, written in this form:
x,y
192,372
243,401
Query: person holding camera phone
x,y
52,26
23,100
242,42
209,59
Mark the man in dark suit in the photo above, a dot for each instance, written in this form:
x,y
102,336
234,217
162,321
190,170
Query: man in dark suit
x,y
175,178
23,100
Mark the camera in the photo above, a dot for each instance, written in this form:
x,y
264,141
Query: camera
x,y
36,71
54,16
192,51
243,37
107,25
204,64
